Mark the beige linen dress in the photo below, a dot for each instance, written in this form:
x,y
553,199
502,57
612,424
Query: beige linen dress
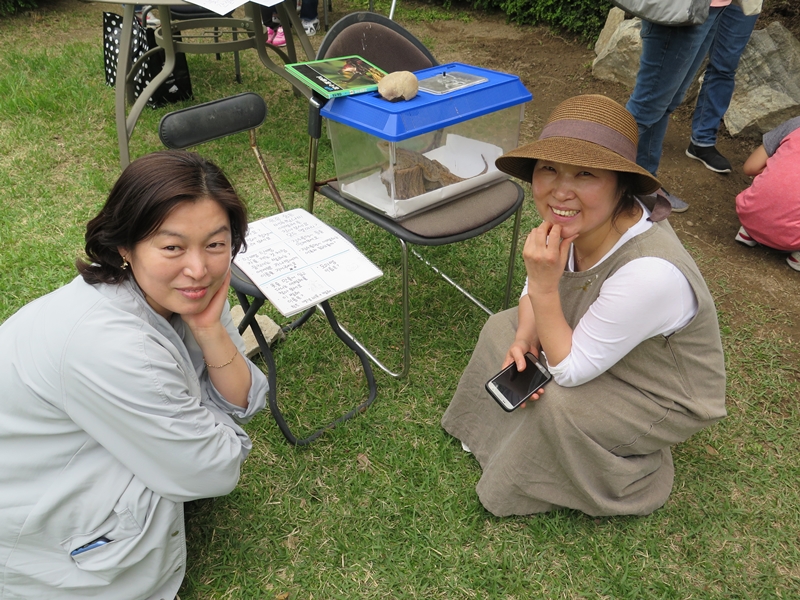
x,y
602,447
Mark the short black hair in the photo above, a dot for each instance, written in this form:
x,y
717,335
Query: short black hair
x,y
148,190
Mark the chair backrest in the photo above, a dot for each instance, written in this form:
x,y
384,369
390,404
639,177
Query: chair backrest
x,y
379,40
202,123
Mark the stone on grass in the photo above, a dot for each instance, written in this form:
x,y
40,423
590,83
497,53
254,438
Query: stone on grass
x,y
272,332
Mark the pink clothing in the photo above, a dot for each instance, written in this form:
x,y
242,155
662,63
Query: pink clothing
x,y
770,208
720,2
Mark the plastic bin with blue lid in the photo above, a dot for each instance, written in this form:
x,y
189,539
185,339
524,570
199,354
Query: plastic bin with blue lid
x,y
400,158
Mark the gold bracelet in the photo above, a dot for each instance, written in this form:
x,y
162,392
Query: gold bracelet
x,y
225,365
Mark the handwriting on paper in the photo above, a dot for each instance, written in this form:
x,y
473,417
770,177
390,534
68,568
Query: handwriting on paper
x,y
298,261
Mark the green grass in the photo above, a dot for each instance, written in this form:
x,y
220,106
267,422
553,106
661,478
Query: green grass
x,y
385,505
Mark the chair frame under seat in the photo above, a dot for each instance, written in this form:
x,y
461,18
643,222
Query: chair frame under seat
x,y
188,127
406,237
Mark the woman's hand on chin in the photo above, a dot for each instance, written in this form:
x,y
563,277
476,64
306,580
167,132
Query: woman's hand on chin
x,y
209,318
545,254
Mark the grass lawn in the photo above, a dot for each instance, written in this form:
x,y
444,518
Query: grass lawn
x,y
385,505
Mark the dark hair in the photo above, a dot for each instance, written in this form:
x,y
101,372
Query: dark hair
x,y
148,190
626,182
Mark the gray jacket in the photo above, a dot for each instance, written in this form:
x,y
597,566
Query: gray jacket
x,y
108,424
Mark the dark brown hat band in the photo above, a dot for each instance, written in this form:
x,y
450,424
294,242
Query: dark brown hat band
x,y
588,131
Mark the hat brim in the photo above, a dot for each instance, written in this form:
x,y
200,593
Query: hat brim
x,y
520,162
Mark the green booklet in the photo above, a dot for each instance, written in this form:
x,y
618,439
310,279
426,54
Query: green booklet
x,y
340,76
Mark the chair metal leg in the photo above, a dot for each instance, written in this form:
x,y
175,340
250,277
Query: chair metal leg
x,y
406,325
406,304
249,320
464,292
265,172
236,62
406,314
512,257
315,104
313,149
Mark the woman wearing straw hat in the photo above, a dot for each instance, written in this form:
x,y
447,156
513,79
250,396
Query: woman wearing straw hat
x,y
626,322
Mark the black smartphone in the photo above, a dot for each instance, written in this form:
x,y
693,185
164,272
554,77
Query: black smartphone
x,y
511,387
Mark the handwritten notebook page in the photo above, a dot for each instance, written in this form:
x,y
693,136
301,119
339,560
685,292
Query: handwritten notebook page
x,y
297,261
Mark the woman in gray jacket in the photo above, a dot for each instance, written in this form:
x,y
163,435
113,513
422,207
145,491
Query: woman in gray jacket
x,y
123,392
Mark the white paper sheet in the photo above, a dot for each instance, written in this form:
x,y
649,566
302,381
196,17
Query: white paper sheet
x,y
223,7
297,261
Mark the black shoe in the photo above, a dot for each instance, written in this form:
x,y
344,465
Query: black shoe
x,y
710,157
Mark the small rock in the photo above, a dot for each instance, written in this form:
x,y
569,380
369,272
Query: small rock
x,y
400,85
272,332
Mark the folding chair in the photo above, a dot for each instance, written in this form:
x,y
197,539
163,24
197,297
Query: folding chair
x,y
393,48
195,125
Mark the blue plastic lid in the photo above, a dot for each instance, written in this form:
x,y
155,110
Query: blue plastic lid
x,y
397,121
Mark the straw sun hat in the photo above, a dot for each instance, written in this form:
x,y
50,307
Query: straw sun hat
x,y
585,131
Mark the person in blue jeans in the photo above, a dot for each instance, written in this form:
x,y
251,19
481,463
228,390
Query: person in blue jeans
x,y
308,9
670,59
730,40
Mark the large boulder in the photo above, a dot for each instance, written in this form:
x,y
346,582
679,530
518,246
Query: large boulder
x,y
618,49
767,88
614,19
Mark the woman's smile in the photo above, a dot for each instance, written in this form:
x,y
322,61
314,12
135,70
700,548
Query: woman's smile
x,y
560,212
194,293
580,199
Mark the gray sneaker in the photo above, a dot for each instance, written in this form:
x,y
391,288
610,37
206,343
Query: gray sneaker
x,y
678,205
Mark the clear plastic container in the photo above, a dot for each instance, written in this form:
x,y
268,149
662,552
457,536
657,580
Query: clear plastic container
x,y
405,157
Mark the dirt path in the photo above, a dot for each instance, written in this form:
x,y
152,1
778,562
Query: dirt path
x,y
555,67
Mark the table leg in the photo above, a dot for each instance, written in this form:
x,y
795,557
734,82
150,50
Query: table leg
x,y
120,93
124,91
253,11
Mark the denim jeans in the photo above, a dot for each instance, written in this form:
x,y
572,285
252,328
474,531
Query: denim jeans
x,y
670,59
733,33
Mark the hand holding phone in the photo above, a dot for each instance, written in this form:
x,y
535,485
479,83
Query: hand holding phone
x,y
511,387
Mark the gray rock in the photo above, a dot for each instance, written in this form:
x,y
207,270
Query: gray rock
x,y
767,83
615,17
272,332
618,57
